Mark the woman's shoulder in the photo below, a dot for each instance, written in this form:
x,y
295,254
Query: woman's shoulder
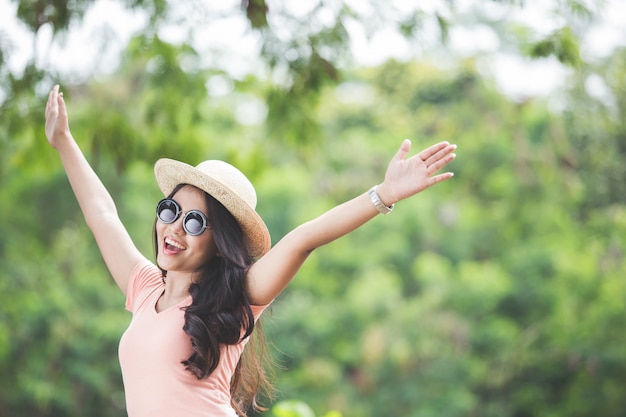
x,y
146,268
145,277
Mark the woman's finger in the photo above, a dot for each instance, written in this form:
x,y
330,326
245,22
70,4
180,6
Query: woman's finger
x,y
404,149
439,155
438,164
432,150
438,178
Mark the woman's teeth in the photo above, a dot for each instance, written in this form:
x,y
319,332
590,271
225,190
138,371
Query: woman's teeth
x,y
174,243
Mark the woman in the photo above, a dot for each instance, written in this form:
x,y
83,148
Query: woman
x,y
215,273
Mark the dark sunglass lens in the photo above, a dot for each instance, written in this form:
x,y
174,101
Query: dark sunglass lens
x,y
195,223
167,211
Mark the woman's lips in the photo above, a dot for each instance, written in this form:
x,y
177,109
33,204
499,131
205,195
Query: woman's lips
x,y
172,246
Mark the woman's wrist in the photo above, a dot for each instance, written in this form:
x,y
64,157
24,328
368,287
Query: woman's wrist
x,y
63,141
379,201
385,196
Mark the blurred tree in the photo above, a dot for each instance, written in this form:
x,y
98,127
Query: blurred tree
x,y
491,296
500,294
304,48
596,125
483,298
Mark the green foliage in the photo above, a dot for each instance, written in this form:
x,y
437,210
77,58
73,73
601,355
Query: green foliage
x,y
63,311
256,12
292,409
498,293
471,299
59,13
597,130
303,52
562,44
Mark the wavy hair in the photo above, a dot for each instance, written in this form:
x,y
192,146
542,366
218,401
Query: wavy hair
x,y
220,313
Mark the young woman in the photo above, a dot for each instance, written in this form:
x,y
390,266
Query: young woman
x,y
196,307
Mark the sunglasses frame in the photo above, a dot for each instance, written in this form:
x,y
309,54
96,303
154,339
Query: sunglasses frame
x,y
186,214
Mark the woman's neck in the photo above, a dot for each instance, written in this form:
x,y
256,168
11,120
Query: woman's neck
x,y
176,290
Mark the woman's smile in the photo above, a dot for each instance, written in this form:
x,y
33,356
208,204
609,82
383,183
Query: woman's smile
x,y
172,246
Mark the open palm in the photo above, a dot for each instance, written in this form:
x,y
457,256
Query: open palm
x,y
56,117
408,176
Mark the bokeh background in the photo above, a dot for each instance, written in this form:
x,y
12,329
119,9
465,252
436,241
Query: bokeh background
x,y
499,293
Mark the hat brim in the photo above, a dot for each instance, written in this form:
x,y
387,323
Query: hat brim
x,y
169,173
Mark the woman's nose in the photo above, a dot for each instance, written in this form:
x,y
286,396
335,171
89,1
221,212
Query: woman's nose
x,y
177,225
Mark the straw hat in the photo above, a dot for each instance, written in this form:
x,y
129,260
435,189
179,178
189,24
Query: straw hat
x,y
227,185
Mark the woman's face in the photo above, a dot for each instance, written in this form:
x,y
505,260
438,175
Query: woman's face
x,y
177,250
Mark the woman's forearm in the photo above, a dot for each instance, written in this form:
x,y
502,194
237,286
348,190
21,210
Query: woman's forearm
x,y
404,178
335,223
93,197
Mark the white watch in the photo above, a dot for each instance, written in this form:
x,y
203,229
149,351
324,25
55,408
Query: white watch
x,y
378,203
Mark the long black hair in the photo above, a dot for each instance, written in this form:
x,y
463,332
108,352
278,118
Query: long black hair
x,y
220,313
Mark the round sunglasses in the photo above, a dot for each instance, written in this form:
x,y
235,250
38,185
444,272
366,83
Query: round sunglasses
x,y
194,221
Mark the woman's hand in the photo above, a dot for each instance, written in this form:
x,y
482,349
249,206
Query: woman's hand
x,y
57,126
407,177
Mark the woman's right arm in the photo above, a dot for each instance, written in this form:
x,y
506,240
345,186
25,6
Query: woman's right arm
x,y
119,252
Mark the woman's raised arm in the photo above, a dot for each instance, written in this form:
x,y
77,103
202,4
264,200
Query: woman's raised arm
x,y
116,246
405,177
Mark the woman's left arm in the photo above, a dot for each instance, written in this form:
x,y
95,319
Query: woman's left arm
x,y
405,177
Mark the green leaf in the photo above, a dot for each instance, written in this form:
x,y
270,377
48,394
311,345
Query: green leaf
x,y
292,408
